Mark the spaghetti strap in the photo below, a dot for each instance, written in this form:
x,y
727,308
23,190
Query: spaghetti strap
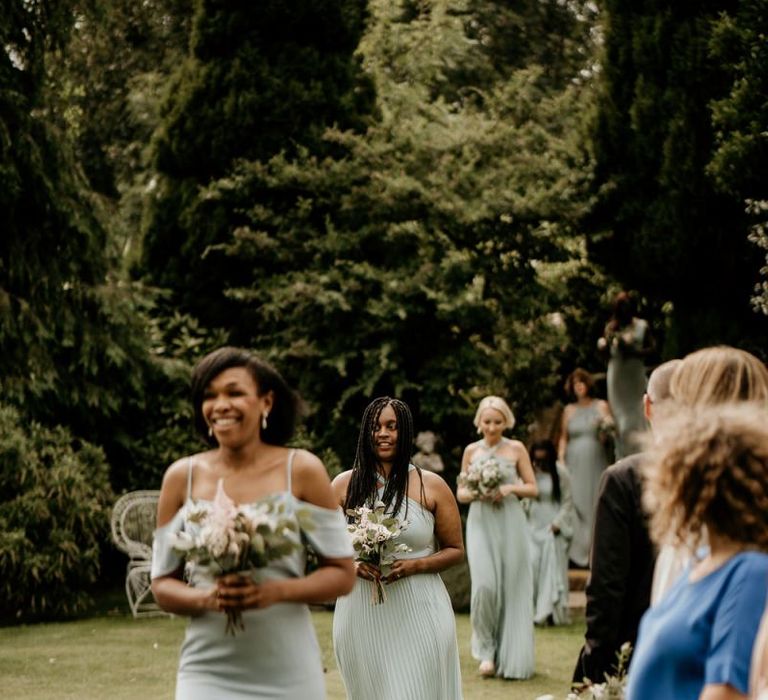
x,y
289,470
190,467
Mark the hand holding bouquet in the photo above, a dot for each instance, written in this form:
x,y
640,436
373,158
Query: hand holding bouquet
x,y
233,538
374,539
606,430
483,479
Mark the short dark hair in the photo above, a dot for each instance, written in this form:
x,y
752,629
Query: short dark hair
x,y
286,405
579,375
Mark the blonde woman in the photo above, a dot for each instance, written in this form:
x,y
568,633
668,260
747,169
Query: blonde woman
x,y
501,606
707,472
709,377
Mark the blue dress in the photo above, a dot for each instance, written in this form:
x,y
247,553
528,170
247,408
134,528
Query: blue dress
x,y
701,633
501,605
277,654
404,648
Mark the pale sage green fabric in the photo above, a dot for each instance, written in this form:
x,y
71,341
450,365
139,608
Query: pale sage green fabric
x,y
549,551
626,383
501,607
277,654
586,460
404,648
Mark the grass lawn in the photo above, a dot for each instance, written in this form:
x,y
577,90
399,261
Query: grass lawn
x,y
114,656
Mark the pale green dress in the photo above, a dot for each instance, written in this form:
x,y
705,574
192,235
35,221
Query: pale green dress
x,y
404,648
549,551
626,383
586,461
501,607
277,654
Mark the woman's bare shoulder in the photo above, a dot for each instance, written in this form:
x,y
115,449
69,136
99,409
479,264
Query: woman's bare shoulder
x,y
470,449
178,471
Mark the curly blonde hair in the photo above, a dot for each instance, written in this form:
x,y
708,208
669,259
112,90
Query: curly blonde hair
x,y
719,375
709,467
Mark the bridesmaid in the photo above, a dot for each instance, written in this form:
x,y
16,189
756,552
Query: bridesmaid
x,y
501,608
550,521
404,648
627,341
583,453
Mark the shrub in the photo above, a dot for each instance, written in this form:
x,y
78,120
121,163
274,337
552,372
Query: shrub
x,y
54,498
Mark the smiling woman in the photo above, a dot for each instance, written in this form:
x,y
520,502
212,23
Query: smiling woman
x,y
246,412
501,605
404,648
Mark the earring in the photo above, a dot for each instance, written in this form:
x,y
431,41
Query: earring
x,y
210,431
264,420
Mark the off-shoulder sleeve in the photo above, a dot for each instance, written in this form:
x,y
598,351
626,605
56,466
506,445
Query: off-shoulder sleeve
x,y
326,530
165,560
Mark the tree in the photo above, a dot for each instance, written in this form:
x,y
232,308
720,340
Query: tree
x,y
661,224
74,348
740,118
412,264
259,79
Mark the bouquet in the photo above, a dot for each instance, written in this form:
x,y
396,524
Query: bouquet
x,y
613,688
606,430
232,538
374,539
482,478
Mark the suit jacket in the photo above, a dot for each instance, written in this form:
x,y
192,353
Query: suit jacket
x,y
621,562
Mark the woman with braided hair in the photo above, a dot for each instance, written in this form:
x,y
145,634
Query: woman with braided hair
x,y
706,472
404,648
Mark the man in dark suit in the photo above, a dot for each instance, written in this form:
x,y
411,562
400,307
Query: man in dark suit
x,y
622,555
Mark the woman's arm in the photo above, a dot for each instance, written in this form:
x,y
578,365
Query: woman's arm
x,y
562,443
340,485
171,593
334,577
447,532
529,488
462,494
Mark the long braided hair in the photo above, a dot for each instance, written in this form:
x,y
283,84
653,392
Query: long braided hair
x,y
363,485
549,465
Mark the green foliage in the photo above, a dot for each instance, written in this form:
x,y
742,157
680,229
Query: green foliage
x,y
413,264
53,518
259,78
740,117
72,335
661,224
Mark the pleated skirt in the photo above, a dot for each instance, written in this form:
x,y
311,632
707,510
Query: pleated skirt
x,y
402,649
501,607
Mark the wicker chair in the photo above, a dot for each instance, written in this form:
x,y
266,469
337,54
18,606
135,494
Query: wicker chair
x,y
133,524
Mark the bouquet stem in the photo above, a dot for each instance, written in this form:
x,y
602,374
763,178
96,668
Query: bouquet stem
x,y
235,622
378,594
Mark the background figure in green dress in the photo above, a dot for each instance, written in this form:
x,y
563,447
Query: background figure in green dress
x,y
404,648
582,450
501,607
550,522
627,341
